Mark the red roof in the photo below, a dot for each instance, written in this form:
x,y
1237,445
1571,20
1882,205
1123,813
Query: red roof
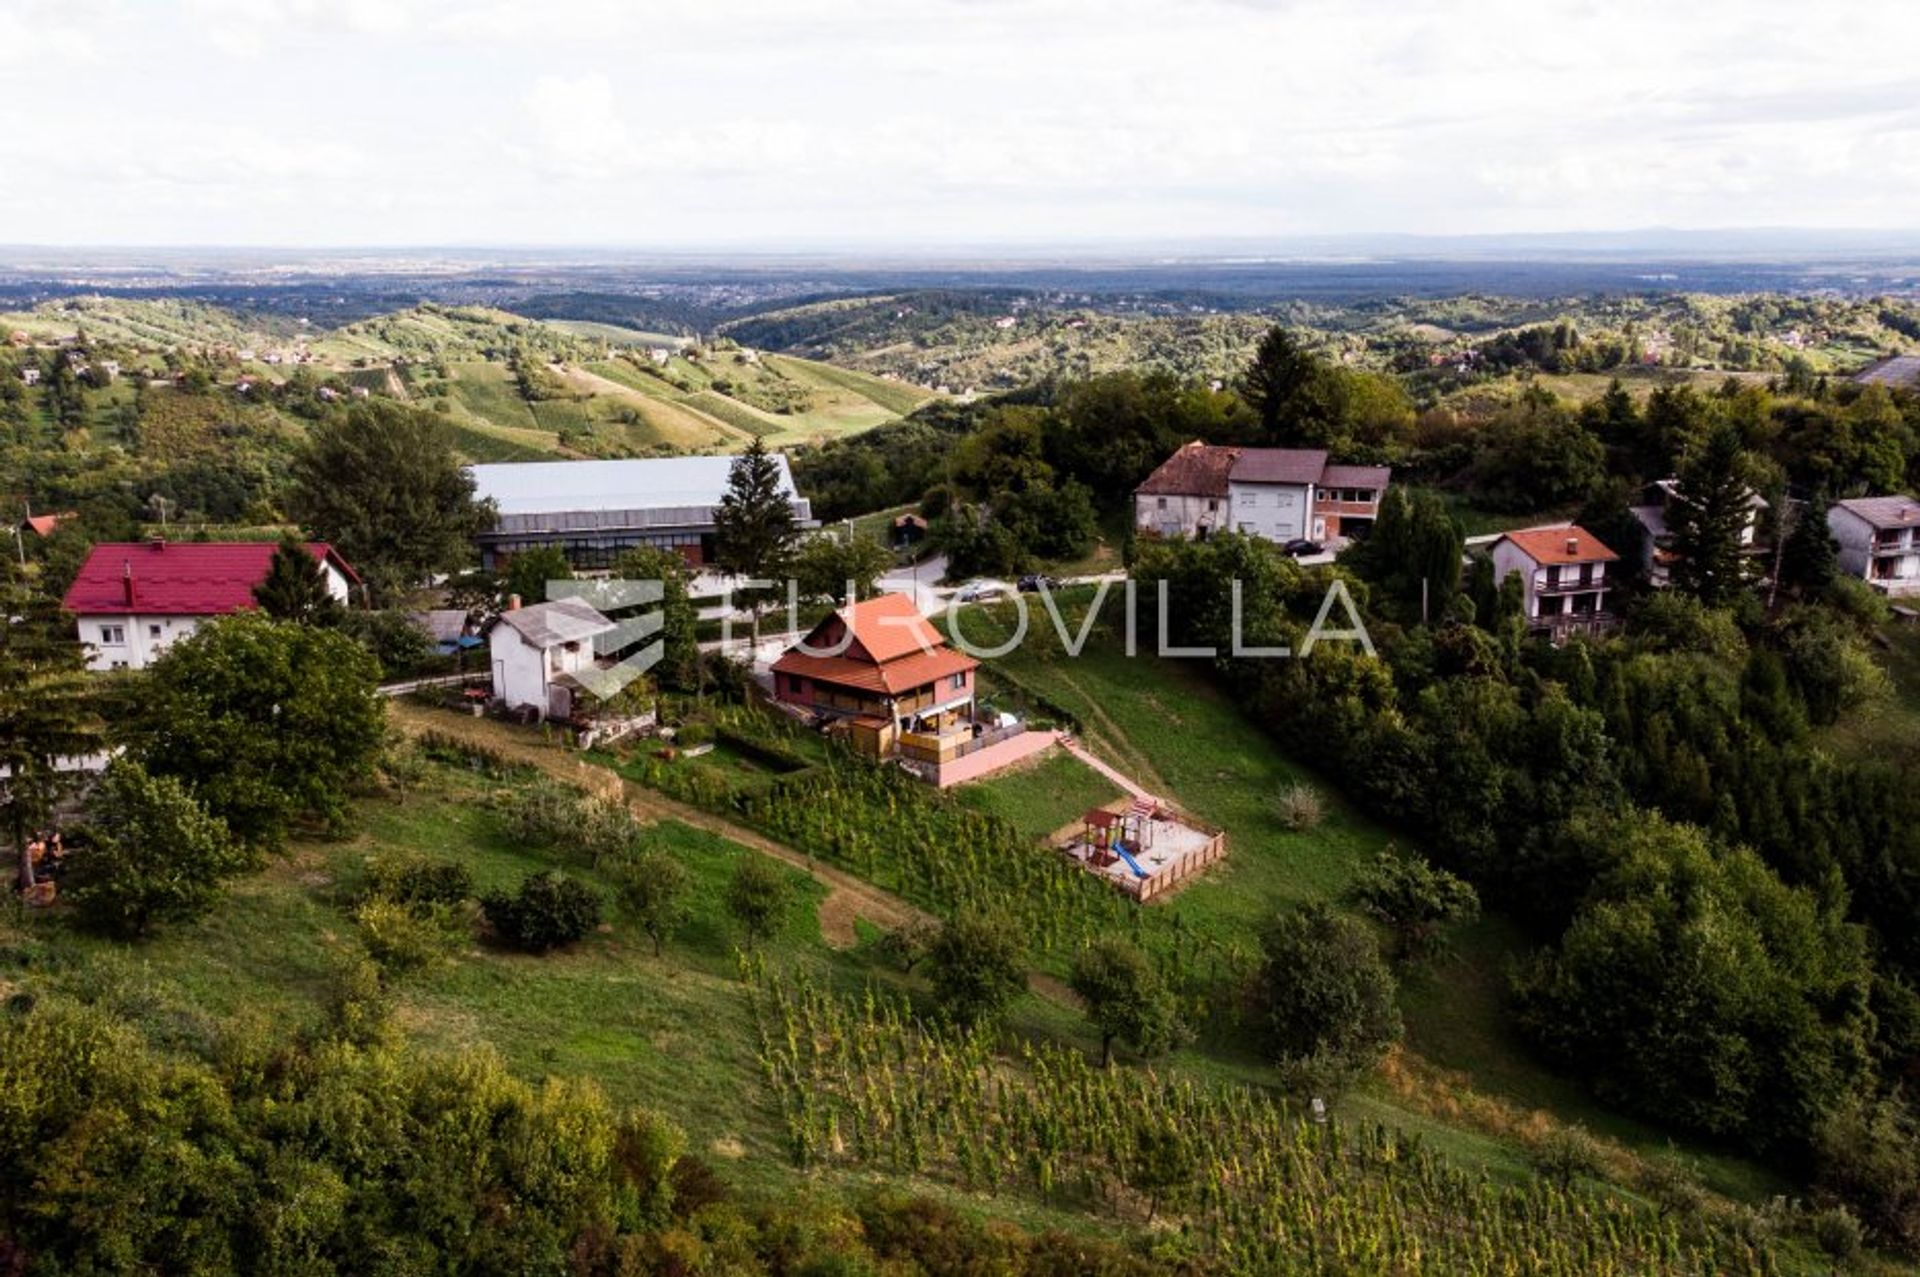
x,y
892,649
178,578
1547,546
44,524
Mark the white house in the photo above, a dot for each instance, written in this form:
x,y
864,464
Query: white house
x,y
134,599
538,653
1281,494
1563,573
1663,497
1878,542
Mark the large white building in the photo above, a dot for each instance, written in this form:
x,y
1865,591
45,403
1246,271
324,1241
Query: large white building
x,y
593,510
1281,494
1878,542
132,600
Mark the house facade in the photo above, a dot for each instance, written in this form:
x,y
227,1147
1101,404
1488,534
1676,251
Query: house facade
x,y
538,654
880,671
133,600
1657,514
1280,494
1563,575
595,510
1878,542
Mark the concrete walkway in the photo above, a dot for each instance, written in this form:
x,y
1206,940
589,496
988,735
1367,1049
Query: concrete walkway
x,y
1081,752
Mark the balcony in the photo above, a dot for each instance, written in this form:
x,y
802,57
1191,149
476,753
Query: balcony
x,y
1568,585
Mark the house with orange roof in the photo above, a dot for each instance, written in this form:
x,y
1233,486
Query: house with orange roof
x,y
880,671
1563,575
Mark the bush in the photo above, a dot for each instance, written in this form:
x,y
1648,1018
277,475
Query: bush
x,y
977,966
550,911
157,855
1837,1233
543,815
1565,1154
1298,808
406,938
687,735
1325,995
416,880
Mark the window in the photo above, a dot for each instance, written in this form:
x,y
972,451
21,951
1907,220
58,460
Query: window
x,y
153,631
113,635
1249,500
118,665
1213,504
957,682
1160,503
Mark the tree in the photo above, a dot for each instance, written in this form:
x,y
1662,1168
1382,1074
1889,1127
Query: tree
x,y
653,887
758,897
382,483
155,854
1810,559
753,527
295,587
1288,387
47,713
679,664
1414,899
826,565
263,720
1324,993
530,570
1125,997
977,967
1710,518
550,911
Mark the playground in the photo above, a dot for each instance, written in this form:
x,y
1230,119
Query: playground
x,y
1141,845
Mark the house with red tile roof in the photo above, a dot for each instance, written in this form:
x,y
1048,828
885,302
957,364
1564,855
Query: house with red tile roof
x,y
1563,574
879,670
1281,494
133,599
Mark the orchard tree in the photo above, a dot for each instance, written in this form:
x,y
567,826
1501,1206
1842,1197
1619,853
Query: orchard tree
x,y
155,854
977,965
295,587
653,887
753,527
381,482
759,897
47,713
1125,998
264,721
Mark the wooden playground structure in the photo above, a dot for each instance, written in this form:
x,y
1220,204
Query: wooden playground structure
x,y
1141,845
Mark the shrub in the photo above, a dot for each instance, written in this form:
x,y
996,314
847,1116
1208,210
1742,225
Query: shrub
x,y
549,911
416,880
687,735
1298,808
543,814
1565,1154
1837,1233
157,854
406,938
1325,995
977,965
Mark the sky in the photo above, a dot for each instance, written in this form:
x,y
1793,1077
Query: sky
x,y
897,123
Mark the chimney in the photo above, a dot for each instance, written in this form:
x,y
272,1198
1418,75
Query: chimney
x,y
126,582
513,602
1573,545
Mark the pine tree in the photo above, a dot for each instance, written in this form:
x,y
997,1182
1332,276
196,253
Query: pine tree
x,y
294,588
47,713
1708,520
1810,559
754,526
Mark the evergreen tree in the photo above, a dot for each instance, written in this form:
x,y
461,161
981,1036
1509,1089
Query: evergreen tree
x,y
295,588
47,713
753,528
1810,559
1288,386
1708,520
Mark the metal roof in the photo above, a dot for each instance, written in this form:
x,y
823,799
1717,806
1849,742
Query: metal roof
x,y
546,625
660,490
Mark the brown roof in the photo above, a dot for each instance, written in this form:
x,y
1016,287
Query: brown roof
x,y
1885,512
44,524
1280,465
1547,546
1338,476
1196,470
890,626
894,678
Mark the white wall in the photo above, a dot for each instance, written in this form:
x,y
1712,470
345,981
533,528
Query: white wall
x,y
138,646
1276,511
1181,516
519,669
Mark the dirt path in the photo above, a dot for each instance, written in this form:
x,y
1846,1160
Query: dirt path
x,y
848,897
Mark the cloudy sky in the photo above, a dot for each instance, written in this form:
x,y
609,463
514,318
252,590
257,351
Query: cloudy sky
x,y
868,123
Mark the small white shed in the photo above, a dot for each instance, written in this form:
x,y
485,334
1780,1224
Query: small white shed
x,y
537,652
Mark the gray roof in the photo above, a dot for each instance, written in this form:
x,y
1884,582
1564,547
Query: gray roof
x,y
1339,476
1899,370
1885,512
556,496
443,625
1279,465
546,625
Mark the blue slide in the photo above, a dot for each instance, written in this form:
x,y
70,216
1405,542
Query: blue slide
x,y
1120,849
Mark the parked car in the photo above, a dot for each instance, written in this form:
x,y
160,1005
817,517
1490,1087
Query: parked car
x,y
1300,547
1034,582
